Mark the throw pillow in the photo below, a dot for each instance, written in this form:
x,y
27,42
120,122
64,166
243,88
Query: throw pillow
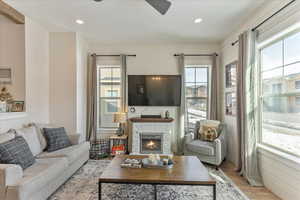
x,y
16,151
31,136
9,135
56,138
208,133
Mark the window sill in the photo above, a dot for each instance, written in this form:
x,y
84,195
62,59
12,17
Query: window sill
x,y
283,157
12,115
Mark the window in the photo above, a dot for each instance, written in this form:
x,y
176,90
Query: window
x,y
280,99
109,94
298,100
196,83
297,85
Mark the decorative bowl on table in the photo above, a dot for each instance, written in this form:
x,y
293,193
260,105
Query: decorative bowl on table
x,y
148,163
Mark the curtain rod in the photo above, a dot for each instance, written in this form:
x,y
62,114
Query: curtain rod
x,y
256,27
196,54
260,24
112,55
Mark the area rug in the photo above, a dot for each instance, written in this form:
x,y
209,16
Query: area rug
x,y
83,185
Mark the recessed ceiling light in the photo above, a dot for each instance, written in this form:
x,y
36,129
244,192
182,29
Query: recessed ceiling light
x,y
198,20
79,21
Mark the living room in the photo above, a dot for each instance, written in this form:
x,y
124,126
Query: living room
x,y
188,100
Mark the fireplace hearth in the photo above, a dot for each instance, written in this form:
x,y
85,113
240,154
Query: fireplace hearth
x,y
151,143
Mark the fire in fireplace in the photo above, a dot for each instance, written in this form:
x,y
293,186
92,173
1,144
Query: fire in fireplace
x,y
151,143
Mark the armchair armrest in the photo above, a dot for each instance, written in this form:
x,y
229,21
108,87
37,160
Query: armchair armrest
x,y
221,147
74,139
10,174
189,137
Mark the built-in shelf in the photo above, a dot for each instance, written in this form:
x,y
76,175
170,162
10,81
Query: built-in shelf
x,y
146,120
12,115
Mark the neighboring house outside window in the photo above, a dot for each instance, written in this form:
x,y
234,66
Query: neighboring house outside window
x,y
196,84
109,94
280,95
297,85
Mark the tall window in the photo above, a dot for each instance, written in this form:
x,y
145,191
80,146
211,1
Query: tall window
x,y
109,94
196,83
280,79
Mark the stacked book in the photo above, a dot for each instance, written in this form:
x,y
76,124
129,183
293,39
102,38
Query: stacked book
x,y
131,163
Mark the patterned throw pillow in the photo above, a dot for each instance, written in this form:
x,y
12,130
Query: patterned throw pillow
x,y
16,151
56,138
208,133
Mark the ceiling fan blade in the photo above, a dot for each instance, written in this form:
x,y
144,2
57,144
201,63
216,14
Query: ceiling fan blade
x,y
161,6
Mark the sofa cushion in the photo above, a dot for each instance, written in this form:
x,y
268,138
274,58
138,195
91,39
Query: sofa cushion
x,y
71,153
16,151
9,135
31,136
39,175
56,139
201,147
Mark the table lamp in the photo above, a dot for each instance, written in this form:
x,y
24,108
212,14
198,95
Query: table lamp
x,y
120,118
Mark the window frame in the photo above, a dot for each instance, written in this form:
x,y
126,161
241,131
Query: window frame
x,y
99,98
260,86
207,67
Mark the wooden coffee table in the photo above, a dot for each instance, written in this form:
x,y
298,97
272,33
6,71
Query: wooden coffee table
x,y
187,170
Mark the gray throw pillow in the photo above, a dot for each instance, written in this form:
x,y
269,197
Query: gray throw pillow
x,y
16,151
56,139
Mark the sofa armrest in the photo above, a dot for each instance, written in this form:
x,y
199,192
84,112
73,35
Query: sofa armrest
x,y
74,139
10,174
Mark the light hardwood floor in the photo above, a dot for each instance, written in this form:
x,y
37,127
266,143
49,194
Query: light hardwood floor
x,y
254,193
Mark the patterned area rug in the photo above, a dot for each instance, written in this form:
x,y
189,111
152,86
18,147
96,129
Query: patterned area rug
x,y
83,186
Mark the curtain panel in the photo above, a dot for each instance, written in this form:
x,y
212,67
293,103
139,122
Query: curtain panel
x,y
92,99
213,97
123,59
183,120
247,108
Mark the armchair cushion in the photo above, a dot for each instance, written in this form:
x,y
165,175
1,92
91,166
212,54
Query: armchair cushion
x,y
201,147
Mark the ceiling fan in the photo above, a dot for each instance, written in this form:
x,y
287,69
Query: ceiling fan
x,y
162,6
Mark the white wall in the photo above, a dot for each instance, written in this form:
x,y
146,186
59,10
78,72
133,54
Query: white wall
x,y
153,58
63,80
12,55
272,169
81,77
37,79
37,72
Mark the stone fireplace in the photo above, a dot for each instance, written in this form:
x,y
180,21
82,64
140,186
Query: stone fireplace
x,y
151,138
151,143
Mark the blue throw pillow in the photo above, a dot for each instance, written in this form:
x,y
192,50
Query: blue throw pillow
x,y
16,151
56,138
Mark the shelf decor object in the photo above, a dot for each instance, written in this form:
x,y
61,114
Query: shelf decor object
x,y
120,118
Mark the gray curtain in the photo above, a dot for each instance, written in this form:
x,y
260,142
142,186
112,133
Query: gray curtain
x,y
183,119
213,105
92,99
247,108
124,82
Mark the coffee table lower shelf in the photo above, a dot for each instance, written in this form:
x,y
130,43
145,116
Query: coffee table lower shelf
x,y
154,186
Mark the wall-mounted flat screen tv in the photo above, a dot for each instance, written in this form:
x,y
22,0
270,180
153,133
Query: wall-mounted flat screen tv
x,y
154,90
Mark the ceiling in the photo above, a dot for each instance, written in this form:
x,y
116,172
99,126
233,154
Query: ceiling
x,y
135,21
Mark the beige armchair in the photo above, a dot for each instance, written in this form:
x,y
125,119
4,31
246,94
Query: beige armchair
x,y
209,152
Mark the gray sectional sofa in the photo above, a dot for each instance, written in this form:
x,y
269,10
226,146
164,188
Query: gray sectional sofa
x,y
47,174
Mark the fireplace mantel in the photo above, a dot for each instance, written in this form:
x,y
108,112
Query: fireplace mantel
x,y
153,120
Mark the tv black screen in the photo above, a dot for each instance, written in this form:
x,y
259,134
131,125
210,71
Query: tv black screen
x,y
152,90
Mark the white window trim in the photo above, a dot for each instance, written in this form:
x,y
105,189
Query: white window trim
x,y
263,147
100,129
